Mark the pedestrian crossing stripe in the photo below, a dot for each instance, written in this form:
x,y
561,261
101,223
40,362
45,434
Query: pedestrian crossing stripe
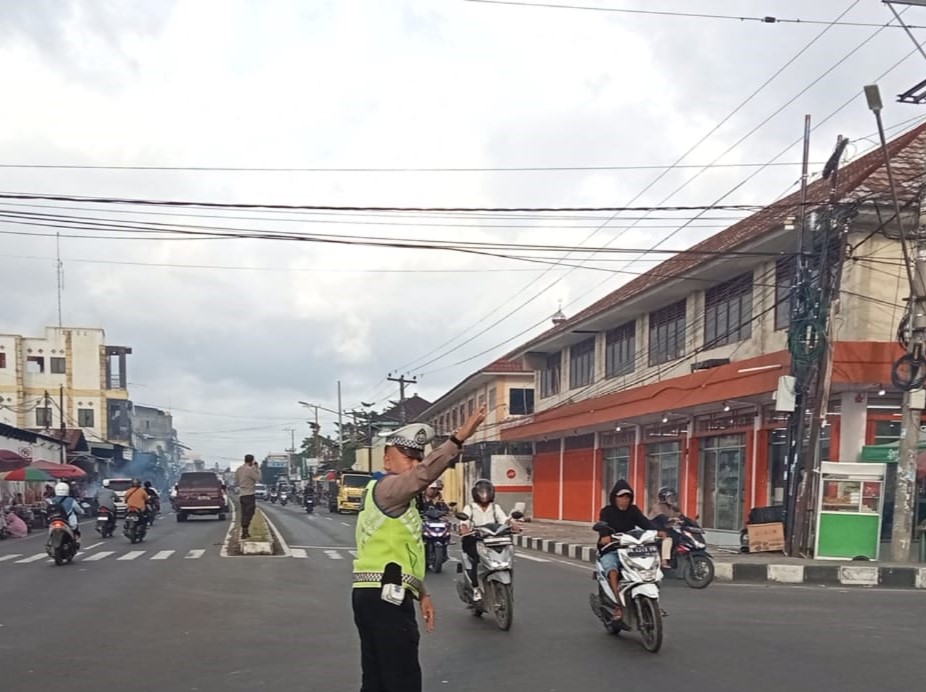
x,y
96,556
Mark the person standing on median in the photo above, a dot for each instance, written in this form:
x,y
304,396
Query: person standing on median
x,y
390,566
247,476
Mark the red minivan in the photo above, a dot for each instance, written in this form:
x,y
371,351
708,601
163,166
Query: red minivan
x,y
200,492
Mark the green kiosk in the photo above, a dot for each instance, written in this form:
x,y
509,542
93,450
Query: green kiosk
x,y
849,508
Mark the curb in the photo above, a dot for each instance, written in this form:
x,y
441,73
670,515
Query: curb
x,y
757,573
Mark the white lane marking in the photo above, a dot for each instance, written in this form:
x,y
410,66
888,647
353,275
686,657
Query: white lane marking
x,y
299,553
84,549
34,558
344,523
333,555
163,554
353,553
193,554
532,558
132,555
98,556
10,557
284,546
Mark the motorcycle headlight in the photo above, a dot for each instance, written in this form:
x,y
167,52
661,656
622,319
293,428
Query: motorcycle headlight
x,y
642,564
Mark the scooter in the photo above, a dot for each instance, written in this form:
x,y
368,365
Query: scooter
x,y
494,572
309,504
105,522
639,586
273,497
62,544
690,560
284,498
135,526
435,531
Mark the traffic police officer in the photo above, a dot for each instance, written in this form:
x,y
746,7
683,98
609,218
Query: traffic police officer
x,y
390,566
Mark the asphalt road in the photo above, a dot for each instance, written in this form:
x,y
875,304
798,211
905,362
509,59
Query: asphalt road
x,y
198,621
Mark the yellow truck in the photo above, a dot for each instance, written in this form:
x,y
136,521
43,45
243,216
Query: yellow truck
x,y
344,494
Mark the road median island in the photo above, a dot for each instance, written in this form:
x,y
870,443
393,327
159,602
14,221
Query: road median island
x,y
261,541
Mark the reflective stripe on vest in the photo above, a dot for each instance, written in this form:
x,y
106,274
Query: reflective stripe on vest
x,y
382,539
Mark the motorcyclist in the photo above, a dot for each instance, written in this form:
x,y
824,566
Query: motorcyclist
x,y
106,497
137,498
621,516
69,506
666,515
154,502
433,499
482,510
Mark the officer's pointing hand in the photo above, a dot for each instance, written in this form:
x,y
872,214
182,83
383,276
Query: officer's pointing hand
x,y
473,422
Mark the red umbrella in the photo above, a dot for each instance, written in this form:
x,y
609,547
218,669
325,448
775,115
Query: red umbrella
x,y
26,473
10,460
59,470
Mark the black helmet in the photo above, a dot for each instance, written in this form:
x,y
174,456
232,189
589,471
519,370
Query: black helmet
x,y
147,484
483,491
667,495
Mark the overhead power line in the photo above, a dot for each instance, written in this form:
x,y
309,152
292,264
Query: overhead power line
x,y
767,19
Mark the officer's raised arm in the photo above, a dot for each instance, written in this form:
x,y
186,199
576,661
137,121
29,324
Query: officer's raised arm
x,y
404,481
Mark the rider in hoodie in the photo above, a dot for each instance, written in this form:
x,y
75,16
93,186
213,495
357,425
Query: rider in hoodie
x,y
621,516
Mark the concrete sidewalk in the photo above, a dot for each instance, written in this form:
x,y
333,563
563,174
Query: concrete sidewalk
x,y
577,541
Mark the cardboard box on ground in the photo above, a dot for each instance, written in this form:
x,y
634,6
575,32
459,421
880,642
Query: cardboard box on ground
x,y
766,538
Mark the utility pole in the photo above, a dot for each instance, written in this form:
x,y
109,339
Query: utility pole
x,y
62,427
910,370
402,380
340,426
59,271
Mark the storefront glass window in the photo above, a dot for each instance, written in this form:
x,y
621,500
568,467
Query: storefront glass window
x,y
616,466
777,464
663,460
723,481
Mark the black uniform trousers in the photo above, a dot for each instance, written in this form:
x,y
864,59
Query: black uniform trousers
x,y
388,642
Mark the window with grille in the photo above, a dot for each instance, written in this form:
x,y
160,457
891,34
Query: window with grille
x,y
728,312
85,417
2,360
58,366
43,417
784,279
550,375
620,350
582,363
667,333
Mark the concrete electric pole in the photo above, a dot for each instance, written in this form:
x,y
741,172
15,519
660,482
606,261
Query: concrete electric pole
x,y
402,380
909,371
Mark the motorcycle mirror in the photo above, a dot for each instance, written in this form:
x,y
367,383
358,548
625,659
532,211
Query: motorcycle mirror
x,y
452,504
517,515
462,516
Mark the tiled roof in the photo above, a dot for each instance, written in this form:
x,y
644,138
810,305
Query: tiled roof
x,y
506,365
73,438
860,179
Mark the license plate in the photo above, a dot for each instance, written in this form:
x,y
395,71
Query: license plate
x,y
203,497
642,551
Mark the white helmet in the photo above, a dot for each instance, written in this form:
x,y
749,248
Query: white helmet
x,y
106,483
62,489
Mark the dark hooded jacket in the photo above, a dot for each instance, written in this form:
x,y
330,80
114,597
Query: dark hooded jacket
x,y
623,521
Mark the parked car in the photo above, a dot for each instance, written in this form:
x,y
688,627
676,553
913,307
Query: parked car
x,y
260,491
200,493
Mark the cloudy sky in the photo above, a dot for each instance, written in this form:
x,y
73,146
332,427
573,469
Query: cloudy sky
x,y
229,333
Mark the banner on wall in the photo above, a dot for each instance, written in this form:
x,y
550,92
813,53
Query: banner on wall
x,y
511,469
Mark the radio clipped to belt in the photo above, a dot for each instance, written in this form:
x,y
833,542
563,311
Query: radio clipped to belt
x,y
393,592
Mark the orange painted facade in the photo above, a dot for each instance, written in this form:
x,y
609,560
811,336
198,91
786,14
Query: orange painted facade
x,y
569,485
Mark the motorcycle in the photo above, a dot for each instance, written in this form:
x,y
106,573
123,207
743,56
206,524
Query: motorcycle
x,y
284,498
493,573
639,586
435,530
135,526
62,544
309,504
105,522
154,508
273,497
690,560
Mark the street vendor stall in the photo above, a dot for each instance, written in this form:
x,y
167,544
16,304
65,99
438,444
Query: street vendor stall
x,y
849,510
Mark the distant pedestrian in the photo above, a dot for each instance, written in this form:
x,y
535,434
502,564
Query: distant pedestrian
x,y
389,569
247,477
